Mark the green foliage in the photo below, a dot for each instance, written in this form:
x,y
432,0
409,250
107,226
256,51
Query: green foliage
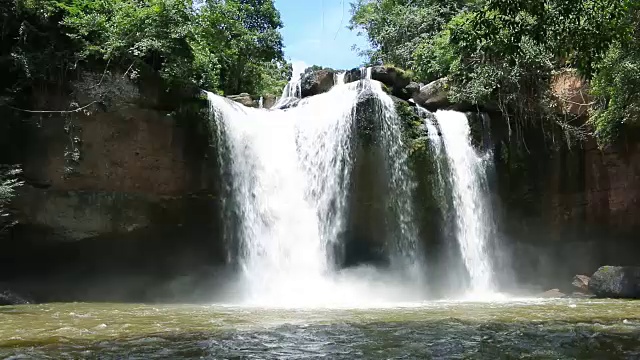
x,y
395,28
413,129
8,185
504,52
227,46
617,85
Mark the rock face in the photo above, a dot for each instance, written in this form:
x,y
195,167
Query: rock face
x,y
571,92
616,282
127,187
566,206
317,82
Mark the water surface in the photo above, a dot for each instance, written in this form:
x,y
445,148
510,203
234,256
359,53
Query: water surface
x,y
533,329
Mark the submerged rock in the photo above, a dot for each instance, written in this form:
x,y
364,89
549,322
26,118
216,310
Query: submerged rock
x,y
317,82
553,293
581,282
616,282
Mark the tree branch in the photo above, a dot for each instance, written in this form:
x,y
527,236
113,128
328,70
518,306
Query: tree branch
x,y
53,111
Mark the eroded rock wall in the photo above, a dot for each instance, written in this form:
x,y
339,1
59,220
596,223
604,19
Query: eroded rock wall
x,y
566,207
126,188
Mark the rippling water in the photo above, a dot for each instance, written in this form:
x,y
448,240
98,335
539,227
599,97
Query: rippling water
x,y
554,329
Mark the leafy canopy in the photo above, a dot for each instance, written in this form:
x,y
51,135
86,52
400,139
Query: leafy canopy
x,y
507,51
226,46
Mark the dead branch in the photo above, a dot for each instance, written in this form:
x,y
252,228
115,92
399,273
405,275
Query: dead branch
x,y
53,111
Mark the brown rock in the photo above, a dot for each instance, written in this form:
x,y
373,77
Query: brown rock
x,y
571,92
433,95
244,99
582,283
317,82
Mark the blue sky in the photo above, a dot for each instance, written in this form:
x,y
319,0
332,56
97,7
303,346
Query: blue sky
x,y
315,32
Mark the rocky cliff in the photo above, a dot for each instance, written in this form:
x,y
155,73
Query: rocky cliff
x,y
121,197
127,186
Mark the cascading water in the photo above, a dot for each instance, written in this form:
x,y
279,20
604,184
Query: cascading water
x,y
289,179
405,254
292,92
474,221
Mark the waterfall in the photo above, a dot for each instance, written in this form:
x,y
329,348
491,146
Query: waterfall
x,y
292,92
288,176
405,254
474,221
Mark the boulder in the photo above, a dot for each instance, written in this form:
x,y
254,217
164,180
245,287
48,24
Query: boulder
x,y
244,99
408,92
317,82
616,282
434,95
353,75
268,101
390,76
581,282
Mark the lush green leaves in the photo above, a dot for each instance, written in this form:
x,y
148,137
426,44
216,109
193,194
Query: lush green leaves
x,y
395,28
506,51
617,84
227,46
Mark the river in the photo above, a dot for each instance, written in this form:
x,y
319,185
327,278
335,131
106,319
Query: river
x,y
531,329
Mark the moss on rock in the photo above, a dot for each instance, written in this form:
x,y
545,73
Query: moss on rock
x,y
413,128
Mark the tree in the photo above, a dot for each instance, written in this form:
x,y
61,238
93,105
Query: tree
x,y
395,28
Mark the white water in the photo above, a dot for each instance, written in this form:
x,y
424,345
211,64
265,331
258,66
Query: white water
x,y
474,222
290,172
293,90
406,253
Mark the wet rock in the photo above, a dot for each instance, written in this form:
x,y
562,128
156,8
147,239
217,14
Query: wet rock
x,y
317,82
434,95
244,99
391,76
581,282
553,293
269,101
616,282
353,75
408,92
